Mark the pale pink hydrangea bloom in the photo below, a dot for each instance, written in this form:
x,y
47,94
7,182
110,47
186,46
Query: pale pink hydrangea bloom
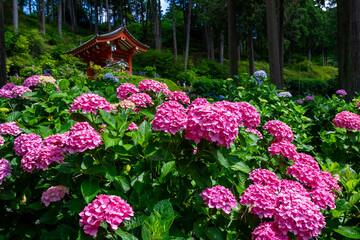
x,y
170,117
112,209
32,81
41,157
53,194
10,128
179,97
254,131
124,89
2,141
132,126
283,148
154,86
280,131
89,102
348,120
47,79
212,123
219,197
18,91
268,231
82,137
25,142
141,100
261,198
5,170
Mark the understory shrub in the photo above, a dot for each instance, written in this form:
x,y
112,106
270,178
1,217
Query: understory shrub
x,y
304,86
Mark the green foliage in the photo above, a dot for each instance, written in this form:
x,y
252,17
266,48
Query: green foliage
x,y
208,87
304,86
150,71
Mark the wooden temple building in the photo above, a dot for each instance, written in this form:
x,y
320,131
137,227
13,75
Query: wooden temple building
x,y
111,49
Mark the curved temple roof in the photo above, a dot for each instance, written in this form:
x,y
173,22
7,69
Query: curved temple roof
x,y
127,42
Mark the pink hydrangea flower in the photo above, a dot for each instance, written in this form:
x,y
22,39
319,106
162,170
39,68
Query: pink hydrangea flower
x,y
358,105
154,86
123,91
283,148
323,197
261,198
31,81
341,92
112,209
18,91
195,150
2,141
53,194
348,120
297,214
197,103
250,117
82,137
170,117
132,126
141,100
280,131
300,101
10,128
268,231
25,142
8,86
5,170
57,139
219,197
41,157
212,123
89,102
309,98
6,90
305,173
264,177
179,97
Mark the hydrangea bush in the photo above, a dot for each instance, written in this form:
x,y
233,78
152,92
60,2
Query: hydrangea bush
x,y
138,161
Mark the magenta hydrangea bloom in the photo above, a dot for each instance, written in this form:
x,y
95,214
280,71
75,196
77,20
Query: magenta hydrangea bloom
x,y
6,90
41,156
268,231
305,173
348,120
82,137
264,177
358,105
132,126
323,197
309,98
219,197
170,117
147,85
18,91
53,194
197,103
9,86
112,209
2,141
32,81
212,123
89,102
5,169
254,131
307,159
57,139
300,101
179,97
281,131
141,100
124,89
341,92
10,128
283,148
299,215
261,198
250,117
25,142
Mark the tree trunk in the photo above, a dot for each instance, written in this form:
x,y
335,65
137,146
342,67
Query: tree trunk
x,y
30,7
206,36
212,50
107,15
73,12
48,11
159,21
250,45
188,21
60,17
174,30
233,54
349,45
290,52
222,47
309,54
43,16
122,12
240,49
39,12
273,42
96,17
323,56
52,10
280,38
64,16
2,47
15,15
156,25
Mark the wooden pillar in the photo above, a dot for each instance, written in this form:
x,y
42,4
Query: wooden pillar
x,y
130,63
